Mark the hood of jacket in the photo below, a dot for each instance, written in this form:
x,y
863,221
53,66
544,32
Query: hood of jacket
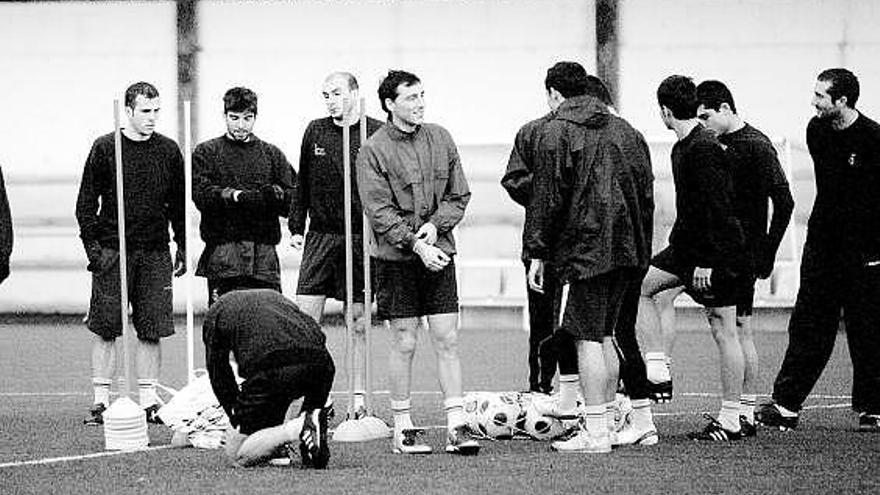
x,y
584,110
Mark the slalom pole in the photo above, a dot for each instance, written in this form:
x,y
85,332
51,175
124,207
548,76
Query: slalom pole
x,y
349,262
127,336
187,229
368,289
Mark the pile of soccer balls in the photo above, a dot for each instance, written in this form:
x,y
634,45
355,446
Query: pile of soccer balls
x,y
506,415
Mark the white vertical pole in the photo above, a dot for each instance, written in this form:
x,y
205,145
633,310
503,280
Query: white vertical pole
x,y
187,229
368,289
127,337
349,261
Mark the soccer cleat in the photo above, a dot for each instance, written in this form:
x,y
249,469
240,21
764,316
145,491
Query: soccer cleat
x,y
96,415
714,432
661,392
769,415
460,441
313,448
748,429
631,435
550,407
869,423
359,413
152,415
407,442
584,442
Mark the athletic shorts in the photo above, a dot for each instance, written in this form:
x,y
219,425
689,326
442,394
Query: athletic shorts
x,y
745,298
591,306
322,271
406,289
727,287
266,396
149,294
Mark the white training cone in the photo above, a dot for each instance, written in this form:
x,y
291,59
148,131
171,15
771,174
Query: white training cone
x,y
125,426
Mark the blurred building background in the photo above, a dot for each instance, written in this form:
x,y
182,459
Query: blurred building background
x,y
482,63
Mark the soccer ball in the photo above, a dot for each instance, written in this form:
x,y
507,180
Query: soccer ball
x,y
492,414
538,426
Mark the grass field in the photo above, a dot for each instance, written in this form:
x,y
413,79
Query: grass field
x,y
45,392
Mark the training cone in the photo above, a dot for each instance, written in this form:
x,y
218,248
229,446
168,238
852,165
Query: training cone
x,y
125,426
361,430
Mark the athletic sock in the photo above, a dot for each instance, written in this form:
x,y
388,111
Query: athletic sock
x,y
657,367
454,412
102,390
729,415
568,389
747,406
786,413
292,428
610,414
594,420
641,415
400,412
359,399
147,392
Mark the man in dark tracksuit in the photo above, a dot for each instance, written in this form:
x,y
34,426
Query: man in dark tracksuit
x,y
592,215
282,356
241,186
5,231
840,266
543,353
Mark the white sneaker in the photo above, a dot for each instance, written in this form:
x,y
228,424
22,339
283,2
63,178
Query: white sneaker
x,y
460,441
407,442
551,408
632,435
585,443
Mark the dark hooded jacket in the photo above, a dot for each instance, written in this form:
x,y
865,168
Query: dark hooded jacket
x,y
592,205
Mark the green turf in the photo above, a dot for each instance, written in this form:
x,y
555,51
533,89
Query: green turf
x,y
41,359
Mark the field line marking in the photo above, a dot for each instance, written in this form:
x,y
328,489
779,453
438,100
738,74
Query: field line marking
x,y
96,455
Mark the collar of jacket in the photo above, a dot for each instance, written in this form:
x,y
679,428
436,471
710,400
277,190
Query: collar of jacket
x,y
399,135
584,110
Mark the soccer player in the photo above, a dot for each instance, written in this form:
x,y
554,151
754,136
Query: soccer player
x,y
319,195
153,197
840,266
591,214
414,192
5,231
281,355
241,185
543,351
757,177
706,247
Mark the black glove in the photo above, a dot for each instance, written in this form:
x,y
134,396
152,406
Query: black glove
x,y
272,193
93,253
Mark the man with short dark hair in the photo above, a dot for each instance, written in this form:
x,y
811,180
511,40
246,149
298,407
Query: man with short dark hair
x,y
840,266
757,177
591,213
414,192
705,253
153,197
241,185
281,355
320,196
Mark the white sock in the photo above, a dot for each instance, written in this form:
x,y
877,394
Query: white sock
x,y
454,412
747,406
293,427
147,392
641,415
657,367
568,389
359,399
400,412
786,413
102,390
729,415
610,414
594,420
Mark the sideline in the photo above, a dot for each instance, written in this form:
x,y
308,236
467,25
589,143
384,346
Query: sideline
x,y
97,455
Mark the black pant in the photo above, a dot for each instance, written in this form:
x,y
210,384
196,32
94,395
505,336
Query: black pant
x,y
219,286
825,292
543,353
632,365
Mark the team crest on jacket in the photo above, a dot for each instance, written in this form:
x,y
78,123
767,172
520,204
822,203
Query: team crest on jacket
x,y
852,160
319,151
